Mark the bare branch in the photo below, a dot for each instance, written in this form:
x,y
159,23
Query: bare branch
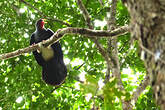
x,y
85,32
88,20
19,52
111,21
59,34
141,88
112,43
102,50
42,14
98,45
85,13
101,2
113,52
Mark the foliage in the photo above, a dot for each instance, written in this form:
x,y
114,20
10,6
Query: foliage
x,y
145,101
20,77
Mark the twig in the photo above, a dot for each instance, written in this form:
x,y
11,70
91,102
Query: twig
x,y
80,66
42,14
60,33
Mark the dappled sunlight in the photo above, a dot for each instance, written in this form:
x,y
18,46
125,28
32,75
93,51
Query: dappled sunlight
x,y
88,97
66,61
19,99
131,76
95,37
26,35
77,62
77,85
101,83
22,10
99,23
82,76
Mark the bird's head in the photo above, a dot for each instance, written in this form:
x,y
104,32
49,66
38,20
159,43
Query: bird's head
x,y
40,24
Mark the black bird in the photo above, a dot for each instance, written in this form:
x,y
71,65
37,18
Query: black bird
x,y
50,58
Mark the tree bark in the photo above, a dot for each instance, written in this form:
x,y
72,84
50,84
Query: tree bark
x,y
148,26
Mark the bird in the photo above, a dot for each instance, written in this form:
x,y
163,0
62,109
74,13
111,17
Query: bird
x,y
50,58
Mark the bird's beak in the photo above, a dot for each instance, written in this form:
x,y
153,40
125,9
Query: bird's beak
x,y
44,20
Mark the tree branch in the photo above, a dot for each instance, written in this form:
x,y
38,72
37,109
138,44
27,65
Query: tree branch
x,y
141,88
98,45
61,32
86,32
112,44
88,20
85,13
42,14
113,52
19,52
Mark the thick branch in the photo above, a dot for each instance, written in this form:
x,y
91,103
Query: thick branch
x,y
42,14
112,44
19,52
113,52
87,32
61,32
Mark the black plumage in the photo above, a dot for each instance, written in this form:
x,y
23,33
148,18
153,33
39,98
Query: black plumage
x,y
50,58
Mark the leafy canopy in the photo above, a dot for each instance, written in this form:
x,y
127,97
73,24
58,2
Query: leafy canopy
x,y
20,77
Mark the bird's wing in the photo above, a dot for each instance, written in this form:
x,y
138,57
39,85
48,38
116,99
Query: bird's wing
x,y
37,55
32,40
50,32
56,46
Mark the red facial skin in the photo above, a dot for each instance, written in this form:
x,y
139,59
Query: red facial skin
x,y
42,24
